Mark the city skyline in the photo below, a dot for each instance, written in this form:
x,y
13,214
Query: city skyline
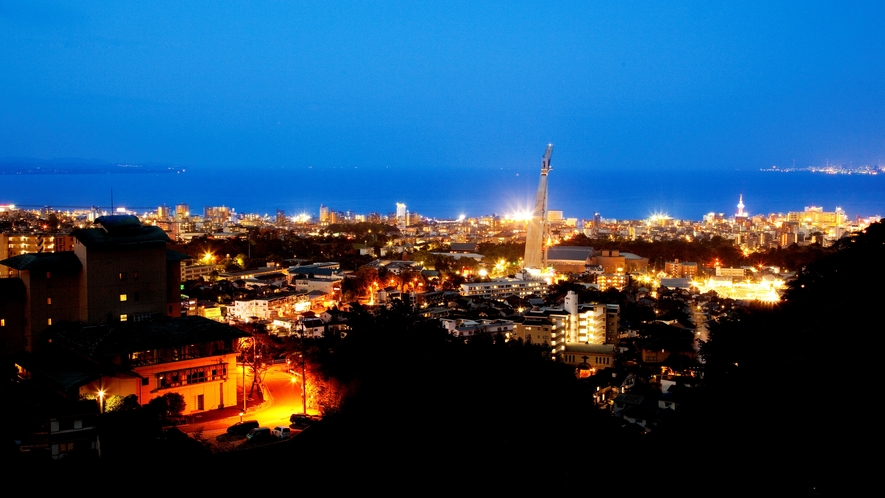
x,y
492,193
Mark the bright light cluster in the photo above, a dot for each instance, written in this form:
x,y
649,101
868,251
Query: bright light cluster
x,y
765,291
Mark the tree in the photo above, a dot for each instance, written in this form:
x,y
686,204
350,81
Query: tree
x,y
52,222
258,352
168,405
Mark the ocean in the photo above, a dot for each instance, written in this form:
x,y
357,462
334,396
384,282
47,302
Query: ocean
x,y
446,194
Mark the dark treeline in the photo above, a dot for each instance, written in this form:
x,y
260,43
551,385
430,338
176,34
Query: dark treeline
x,y
264,246
706,251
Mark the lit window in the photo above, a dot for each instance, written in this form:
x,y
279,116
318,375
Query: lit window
x,y
48,274
123,317
2,322
48,300
49,321
122,297
122,275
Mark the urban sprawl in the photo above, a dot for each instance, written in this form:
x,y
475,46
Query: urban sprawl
x,y
105,311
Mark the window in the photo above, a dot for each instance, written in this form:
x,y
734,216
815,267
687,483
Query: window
x,y
122,297
2,322
124,317
48,274
48,300
122,275
188,376
49,321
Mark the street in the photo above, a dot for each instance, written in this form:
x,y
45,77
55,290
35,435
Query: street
x,y
283,398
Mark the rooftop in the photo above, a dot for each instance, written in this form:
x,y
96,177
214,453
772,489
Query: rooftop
x,y
54,261
115,231
569,253
144,335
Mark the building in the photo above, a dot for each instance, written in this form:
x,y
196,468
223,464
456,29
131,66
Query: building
x,y
17,243
730,272
612,280
815,217
118,271
574,323
269,308
182,212
194,272
501,288
569,259
613,261
536,329
536,234
682,269
592,357
191,356
163,212
468,328
217,215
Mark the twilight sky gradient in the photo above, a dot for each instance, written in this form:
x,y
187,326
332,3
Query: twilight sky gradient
x,y
614,85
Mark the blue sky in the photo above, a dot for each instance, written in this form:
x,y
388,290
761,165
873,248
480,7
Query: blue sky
x,y
627,85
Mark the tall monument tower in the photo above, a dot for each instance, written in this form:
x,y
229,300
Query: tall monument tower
x,y
535,252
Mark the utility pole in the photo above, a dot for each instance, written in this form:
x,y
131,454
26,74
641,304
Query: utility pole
x,y
303,378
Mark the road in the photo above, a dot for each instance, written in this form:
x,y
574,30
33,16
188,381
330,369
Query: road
x,y
283,398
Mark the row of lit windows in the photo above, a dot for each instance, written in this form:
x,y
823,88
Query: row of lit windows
x,y
189,376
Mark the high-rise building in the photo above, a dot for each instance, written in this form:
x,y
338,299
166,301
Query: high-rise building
x,y
535,251
182,211
15,243
324,214
218,214
118,271
163,212
400,212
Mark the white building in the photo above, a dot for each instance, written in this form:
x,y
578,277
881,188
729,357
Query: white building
x,y
501,288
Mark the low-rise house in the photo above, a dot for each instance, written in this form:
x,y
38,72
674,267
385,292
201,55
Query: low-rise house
x,y
191,356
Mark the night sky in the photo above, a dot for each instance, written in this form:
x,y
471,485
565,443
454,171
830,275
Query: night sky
x,y
629,85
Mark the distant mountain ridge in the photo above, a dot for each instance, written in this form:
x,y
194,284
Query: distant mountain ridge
x,y
68,166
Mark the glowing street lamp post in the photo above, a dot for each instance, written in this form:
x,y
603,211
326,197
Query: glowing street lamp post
x,y
303,377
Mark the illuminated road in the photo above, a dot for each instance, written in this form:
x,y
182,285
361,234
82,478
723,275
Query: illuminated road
x,y
283,398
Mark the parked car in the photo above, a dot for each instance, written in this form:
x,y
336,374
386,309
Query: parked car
x,y
300,419
282,432
258,434
242,428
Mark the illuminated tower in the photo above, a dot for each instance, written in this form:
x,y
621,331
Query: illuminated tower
x,y
741,213
535,252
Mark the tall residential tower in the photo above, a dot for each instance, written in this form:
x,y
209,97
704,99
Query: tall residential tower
x,y
535,250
